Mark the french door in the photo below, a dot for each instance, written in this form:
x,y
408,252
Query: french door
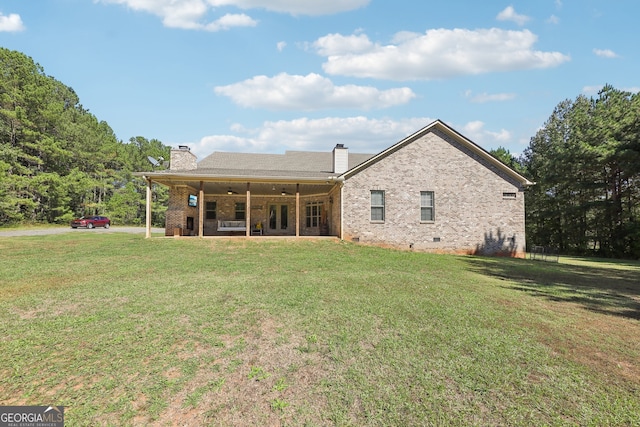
x,y
278,217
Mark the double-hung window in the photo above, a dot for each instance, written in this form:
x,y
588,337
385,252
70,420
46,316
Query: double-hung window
x,y
241,210
314,214
377,205
211,208
427,206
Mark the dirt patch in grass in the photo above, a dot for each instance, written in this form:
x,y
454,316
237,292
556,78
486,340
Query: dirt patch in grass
x,y
259,378
29,285
59,309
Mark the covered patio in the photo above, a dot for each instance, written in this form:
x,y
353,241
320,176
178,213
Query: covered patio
x,y
236,206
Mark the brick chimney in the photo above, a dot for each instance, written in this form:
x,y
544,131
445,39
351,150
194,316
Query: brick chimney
x,y
340,159
182,159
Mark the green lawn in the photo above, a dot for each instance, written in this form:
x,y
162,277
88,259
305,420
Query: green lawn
x,y
127,331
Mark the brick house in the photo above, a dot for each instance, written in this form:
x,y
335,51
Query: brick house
x,y
434,190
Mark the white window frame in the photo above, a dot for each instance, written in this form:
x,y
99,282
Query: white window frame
x,y
379,208
313,214
427,207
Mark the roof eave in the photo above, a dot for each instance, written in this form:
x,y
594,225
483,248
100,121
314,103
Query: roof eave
x,y
187,175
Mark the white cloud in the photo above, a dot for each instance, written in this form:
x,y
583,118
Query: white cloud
x,y
553,19
229,21
11,23
509,14
281,46
187,14
192,14
338,45
310,92
360,134
502,136
481,98
437,54
476,132
296,7
591,90
605,53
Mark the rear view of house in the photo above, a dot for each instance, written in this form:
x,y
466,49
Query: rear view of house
x,y
435,191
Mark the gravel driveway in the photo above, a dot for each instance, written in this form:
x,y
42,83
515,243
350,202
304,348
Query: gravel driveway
x,y
58,230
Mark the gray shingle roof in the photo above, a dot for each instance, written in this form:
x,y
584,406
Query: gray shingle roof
x,y
291,163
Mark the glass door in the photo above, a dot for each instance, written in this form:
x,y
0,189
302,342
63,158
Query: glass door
x,y
278,217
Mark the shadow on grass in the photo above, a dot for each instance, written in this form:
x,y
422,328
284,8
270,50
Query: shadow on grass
x,y
597,287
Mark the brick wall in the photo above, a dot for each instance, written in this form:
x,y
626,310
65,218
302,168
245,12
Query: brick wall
x,y
178,211
471,214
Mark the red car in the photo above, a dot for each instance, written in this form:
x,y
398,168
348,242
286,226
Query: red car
x,y
91,221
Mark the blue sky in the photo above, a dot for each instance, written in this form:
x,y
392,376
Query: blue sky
x,y
275,75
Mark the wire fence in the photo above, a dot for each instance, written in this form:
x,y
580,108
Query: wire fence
x,y
544,253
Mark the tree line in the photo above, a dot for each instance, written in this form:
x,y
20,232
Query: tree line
x,y
58,161
585,162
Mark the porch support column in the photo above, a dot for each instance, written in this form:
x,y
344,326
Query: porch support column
x,y
201,210
297,210
248,211
148,210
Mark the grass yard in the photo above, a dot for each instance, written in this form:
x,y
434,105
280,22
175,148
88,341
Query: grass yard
x,y
127,331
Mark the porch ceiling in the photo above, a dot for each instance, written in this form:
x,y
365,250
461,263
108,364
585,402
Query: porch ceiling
x,y
274,188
